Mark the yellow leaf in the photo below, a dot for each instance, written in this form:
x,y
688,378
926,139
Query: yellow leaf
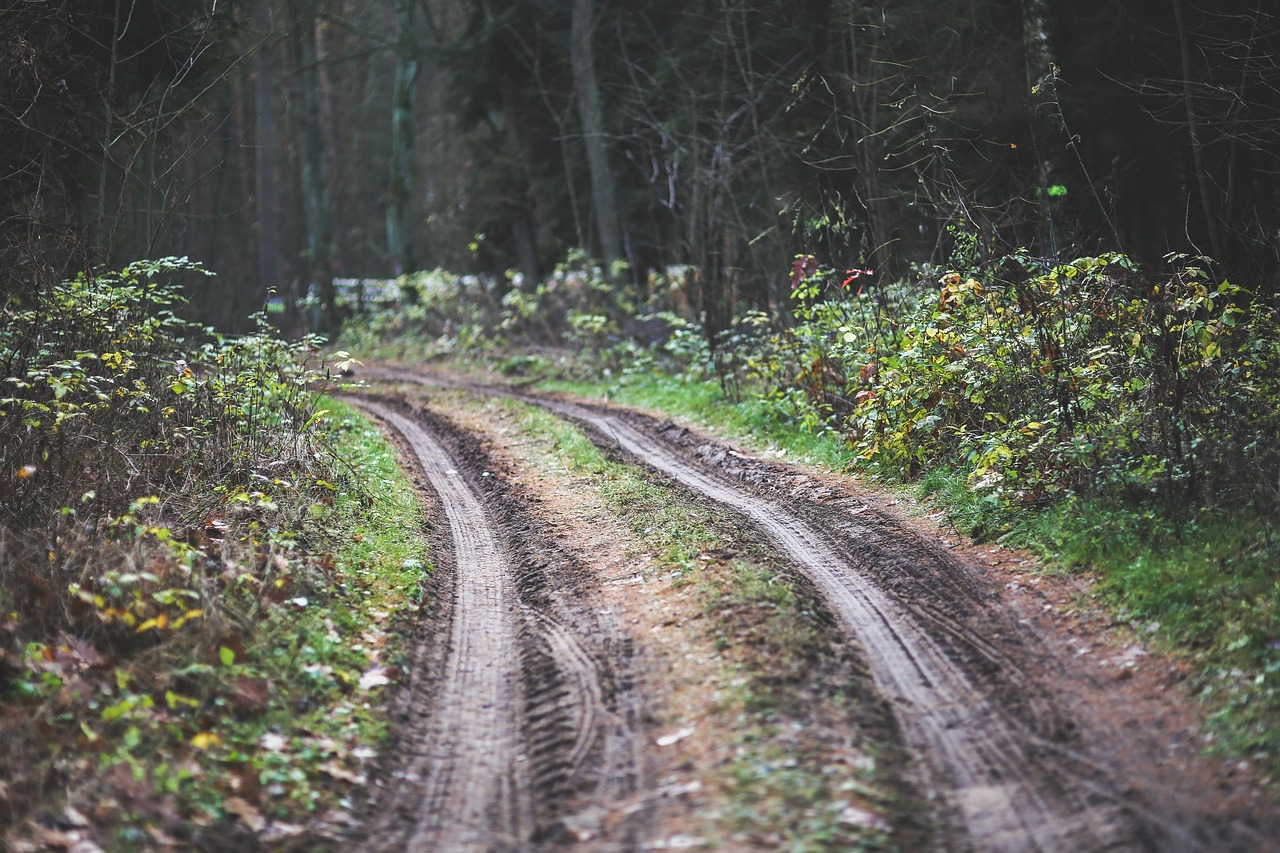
x,y
205,740
146,626
187,617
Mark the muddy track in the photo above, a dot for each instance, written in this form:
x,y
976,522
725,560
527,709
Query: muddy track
x,y
523,705
984,762
1008,767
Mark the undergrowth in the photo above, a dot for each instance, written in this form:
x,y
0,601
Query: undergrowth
x,y
191,632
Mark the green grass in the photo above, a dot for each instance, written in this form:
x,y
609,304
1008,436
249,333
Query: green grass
x,y
760,421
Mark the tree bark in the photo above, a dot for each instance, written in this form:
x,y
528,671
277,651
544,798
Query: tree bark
x,y
400,180
1039,62
265,136
603,192
313,168
1193,131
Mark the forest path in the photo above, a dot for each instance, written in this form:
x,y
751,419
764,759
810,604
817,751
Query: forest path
x,y
1009,762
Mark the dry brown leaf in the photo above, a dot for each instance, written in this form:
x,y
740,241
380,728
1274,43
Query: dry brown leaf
x,y
251,695
246,812
342,774
375,677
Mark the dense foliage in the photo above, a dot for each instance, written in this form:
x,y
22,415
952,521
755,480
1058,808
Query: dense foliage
x,y
1039,379
723,136
172,519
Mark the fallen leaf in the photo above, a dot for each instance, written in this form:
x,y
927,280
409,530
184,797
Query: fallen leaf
x,y
251,695
273,742
342,774
161,838
56,838
88,655
280,831
854,816
675,737
84,845
205,740
375,677
246,812
72,817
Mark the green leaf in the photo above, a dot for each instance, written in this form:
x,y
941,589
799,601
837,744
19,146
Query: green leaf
x,y
226,655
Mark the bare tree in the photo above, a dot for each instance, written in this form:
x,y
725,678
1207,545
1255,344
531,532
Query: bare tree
x,y
400,178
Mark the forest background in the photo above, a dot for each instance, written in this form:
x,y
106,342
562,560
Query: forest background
x,y
283,144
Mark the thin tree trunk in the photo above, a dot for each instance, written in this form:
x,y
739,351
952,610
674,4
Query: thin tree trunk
x,y
400,181
1039,62
314,169
1193,130
603,192
108,130
267,201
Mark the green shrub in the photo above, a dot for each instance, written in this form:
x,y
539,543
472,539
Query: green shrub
x,y
1041,380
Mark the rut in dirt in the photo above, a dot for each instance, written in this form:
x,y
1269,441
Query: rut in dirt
x,y
522,703
982,763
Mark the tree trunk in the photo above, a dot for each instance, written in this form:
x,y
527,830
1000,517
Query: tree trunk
x,y
603,192
267,202
1193,131
314,172
400,181
1039,62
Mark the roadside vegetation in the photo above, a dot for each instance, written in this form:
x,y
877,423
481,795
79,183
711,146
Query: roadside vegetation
x,y
200,563
1112,418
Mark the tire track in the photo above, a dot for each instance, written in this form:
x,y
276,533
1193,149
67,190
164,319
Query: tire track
x,y
1008,765
470,762
534,702
990,775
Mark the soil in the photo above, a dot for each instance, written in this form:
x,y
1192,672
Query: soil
x,y
526,700
1025,722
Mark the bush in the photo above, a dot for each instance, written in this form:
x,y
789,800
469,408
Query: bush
x,y
1042,379
157,483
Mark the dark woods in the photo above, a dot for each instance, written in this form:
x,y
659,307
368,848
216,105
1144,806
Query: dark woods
x,y
282,143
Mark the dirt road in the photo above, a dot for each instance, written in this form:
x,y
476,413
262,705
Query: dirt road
x,y
529,704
